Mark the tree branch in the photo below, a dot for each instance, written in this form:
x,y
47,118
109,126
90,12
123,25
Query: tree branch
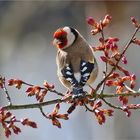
x,y
87,108
35,105
42,112
6,91
38,105
112,95
111,105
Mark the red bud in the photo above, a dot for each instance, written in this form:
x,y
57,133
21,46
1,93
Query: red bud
x,y
134,21
124,60
91,21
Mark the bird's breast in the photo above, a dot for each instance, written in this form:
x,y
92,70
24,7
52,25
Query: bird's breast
x,y
75,62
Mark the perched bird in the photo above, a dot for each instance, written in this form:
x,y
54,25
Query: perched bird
x,y
76,64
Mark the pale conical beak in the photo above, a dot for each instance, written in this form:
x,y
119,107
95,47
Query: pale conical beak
x,y
57,42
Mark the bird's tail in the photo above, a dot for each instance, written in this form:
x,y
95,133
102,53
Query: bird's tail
x,y
77,92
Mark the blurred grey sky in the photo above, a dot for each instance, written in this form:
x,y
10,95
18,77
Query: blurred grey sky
x,y
26,52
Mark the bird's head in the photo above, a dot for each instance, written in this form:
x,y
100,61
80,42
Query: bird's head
x,y
64,37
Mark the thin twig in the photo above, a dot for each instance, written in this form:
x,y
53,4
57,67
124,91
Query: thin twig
x,y
102,32
6,91
42,112
131,90
87,108
106,69
17,121
111,105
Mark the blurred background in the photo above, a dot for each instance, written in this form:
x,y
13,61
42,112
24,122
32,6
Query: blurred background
x,y
26,52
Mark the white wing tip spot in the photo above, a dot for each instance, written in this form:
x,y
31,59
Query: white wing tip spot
x,y
83,64
68,73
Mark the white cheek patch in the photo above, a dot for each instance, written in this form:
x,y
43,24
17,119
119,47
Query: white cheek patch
x,y
70,36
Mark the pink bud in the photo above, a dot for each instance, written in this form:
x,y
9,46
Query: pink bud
x,y
124,60
98,104
106,20
134,21
133,76
91,21
109,83
104,58
136,41
125,109
108,17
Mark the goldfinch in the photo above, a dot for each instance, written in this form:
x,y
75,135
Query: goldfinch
x,y
76,64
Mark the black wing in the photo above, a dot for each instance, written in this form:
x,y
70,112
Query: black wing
x,y
68,74
85,69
